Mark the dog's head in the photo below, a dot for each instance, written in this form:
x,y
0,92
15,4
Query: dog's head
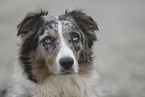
x,y
56,45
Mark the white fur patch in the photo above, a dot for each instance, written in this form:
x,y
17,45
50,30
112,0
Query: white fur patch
x,y
65,51
55,86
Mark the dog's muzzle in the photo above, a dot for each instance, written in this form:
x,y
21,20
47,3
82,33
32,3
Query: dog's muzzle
x,y
67,65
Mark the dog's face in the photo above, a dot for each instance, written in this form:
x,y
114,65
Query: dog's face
x,y
56,45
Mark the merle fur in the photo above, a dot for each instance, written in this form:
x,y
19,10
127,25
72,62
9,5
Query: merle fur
x,y
33,23
86,24
29,28
88,27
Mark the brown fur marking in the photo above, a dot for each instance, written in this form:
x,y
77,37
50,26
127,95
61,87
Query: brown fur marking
x,y
39,67
52,33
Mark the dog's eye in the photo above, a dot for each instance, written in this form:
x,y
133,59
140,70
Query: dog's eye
x,y
75,37
48,40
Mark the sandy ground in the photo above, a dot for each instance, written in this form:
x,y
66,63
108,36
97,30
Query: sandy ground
x,y
120,51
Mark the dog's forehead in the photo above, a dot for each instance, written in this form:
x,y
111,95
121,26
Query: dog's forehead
x,y
51,20
52,24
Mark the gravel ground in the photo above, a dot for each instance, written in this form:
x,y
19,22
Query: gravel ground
x,y
120,51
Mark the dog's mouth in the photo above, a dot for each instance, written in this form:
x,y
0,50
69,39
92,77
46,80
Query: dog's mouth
x,y
67,72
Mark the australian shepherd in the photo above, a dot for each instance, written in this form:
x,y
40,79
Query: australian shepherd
x,y
55,57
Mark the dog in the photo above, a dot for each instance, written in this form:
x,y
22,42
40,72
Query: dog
x,y
55,57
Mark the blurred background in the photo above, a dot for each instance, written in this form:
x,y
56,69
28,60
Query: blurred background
x,y
120,51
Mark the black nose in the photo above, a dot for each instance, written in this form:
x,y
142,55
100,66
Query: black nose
x,y
66,62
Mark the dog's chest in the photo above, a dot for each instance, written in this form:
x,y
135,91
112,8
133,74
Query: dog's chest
x,y
66,87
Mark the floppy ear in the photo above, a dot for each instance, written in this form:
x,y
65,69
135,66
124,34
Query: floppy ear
x,y
86,24
31,22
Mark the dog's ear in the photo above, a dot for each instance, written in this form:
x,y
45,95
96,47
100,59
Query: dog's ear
x,y
30,23
86,24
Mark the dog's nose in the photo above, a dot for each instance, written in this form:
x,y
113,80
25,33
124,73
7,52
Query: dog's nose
x,y
66,62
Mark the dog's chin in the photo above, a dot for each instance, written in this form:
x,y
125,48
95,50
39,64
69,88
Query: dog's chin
x,y
67,72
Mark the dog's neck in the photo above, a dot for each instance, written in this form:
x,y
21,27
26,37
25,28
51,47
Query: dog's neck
x,y
59,86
